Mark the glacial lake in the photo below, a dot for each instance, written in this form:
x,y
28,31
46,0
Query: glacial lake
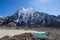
x,y
40,35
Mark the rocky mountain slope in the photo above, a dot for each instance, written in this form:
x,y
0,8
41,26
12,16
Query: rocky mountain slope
x,y
1,20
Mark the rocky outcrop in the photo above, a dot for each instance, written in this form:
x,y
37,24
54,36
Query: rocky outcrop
x,y
53,35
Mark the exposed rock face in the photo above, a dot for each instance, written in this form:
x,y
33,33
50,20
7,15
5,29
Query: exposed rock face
x,y
25,36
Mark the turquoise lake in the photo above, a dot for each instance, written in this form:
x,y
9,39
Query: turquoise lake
x,y
40,35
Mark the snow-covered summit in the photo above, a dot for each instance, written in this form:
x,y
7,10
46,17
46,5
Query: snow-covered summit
x,y
26,11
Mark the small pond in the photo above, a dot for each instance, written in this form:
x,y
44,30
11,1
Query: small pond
x,y
40,35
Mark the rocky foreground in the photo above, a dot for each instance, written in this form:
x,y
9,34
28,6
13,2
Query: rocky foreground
x,y
52,33
25,36
29,36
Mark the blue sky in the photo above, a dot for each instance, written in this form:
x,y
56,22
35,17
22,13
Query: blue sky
x,y
8,7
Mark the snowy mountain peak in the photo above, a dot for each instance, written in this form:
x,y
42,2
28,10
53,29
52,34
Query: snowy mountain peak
x,y
22,8
25,10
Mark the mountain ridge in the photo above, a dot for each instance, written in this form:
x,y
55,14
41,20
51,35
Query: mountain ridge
x,y
31,17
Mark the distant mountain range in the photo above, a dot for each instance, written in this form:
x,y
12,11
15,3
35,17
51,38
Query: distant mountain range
x,y
31,17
